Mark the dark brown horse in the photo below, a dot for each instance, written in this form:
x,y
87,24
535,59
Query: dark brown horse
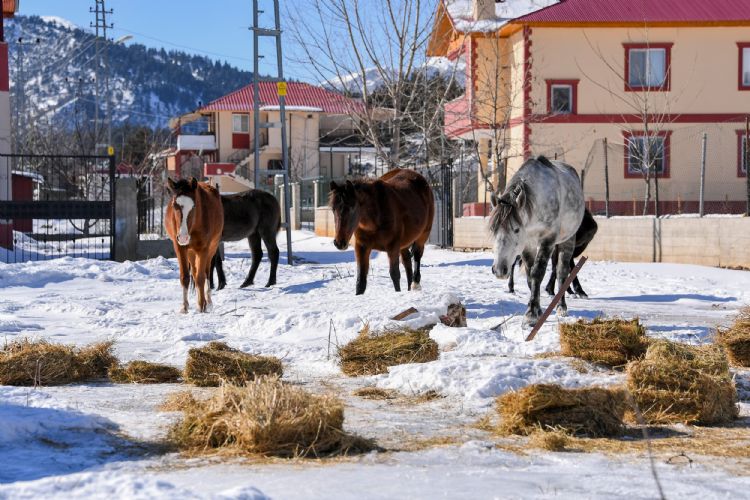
x,y
194,221
392,214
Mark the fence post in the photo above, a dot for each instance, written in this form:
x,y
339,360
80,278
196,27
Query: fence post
x,y
606,179
296,206
703,173
316,194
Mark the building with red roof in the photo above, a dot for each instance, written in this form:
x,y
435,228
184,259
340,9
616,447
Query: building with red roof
x,y
632,84
10,7
216,140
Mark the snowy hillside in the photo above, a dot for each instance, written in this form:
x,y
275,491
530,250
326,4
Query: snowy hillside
x,y
149,86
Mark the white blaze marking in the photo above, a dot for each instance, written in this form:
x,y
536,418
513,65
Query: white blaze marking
x,y
186,203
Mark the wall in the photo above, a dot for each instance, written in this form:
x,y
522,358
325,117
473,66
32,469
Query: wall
x,y
708,241
324,223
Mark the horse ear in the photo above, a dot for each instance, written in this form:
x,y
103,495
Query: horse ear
x,y
333,186
493,200
193,183
349,186
171,185
520,197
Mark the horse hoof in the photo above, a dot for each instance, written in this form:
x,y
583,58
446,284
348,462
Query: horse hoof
x,y
246,284
270,284
221,286
562,311
416,287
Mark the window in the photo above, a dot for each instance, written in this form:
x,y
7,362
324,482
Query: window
x,y
742,157
240,124
643,152
562,97
275,165
744,65
647,66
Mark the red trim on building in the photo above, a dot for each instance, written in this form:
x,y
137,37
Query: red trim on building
x,y
740,136
574,95
4,76
740,84
668,77
621,118
666,134
240,140
526,92
219,168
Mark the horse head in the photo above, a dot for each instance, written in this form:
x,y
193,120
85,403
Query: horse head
x,y
343,201
182,204
507,227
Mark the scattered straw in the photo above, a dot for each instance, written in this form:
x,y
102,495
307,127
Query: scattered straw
x,y
144,372
373,354
375,393
681,383
592,411
549,439
265,417
216,362
178,401
612,342
736,339
26,362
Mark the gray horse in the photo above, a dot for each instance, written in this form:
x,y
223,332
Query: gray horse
x,y
542,207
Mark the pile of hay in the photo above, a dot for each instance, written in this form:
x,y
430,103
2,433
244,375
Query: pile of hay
x,y
681,383
26,362
264,417
373,354
593,412
736,339
549,439
144,372
217,363
612,342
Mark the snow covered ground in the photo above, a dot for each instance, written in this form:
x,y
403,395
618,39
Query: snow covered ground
x,y
97,440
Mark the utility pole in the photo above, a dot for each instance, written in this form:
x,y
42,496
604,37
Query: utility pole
x,y
281,88
100,26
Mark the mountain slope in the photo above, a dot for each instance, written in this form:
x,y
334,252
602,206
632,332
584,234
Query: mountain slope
x,y
149,86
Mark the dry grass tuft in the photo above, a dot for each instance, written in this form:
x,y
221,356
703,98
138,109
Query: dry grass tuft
x,y
549,439
217,363
736,339
25,362
612,342
680,383
370,354
593,412
144,372
265,417
178,401
375,393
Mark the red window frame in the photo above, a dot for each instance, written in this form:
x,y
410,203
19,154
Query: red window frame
x,y
740,136
668,61
574,91
740,47
666,134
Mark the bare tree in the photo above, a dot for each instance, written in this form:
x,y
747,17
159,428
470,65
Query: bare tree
x,y
375,51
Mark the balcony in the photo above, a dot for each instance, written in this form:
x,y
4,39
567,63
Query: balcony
x,y
202,142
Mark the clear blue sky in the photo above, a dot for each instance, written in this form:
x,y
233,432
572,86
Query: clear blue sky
x,y
217,28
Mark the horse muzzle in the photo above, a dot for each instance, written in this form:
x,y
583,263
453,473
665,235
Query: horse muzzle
x,y
183,241
500,272
340,244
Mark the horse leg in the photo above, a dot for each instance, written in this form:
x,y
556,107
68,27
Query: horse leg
x,y
257,252
536,275
417,250
511,282
207,265
577,284
563,270
528,263
550,289
362,254
269,238
394,270
199,275
182,260
406,261
219,258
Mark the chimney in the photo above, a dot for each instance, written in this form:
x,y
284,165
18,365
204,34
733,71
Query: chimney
x,y
483,9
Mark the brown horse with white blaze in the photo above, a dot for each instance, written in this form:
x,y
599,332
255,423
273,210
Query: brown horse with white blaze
x,y
194,221
392,214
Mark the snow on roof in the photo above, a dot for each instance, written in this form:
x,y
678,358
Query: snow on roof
x,y
63,23
460,12
310,109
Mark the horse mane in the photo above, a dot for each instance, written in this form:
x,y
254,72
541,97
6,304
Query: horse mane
x,y
544,161
515,200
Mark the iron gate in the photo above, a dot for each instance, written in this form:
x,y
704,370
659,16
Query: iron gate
x,y
441,181
62,205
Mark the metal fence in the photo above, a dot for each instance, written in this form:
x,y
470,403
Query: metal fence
x,y
688,170
62,206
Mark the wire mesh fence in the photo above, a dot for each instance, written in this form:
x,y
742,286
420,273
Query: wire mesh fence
x,y
690,169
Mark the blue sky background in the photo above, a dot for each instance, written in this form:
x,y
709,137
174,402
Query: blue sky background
x,y
217,29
